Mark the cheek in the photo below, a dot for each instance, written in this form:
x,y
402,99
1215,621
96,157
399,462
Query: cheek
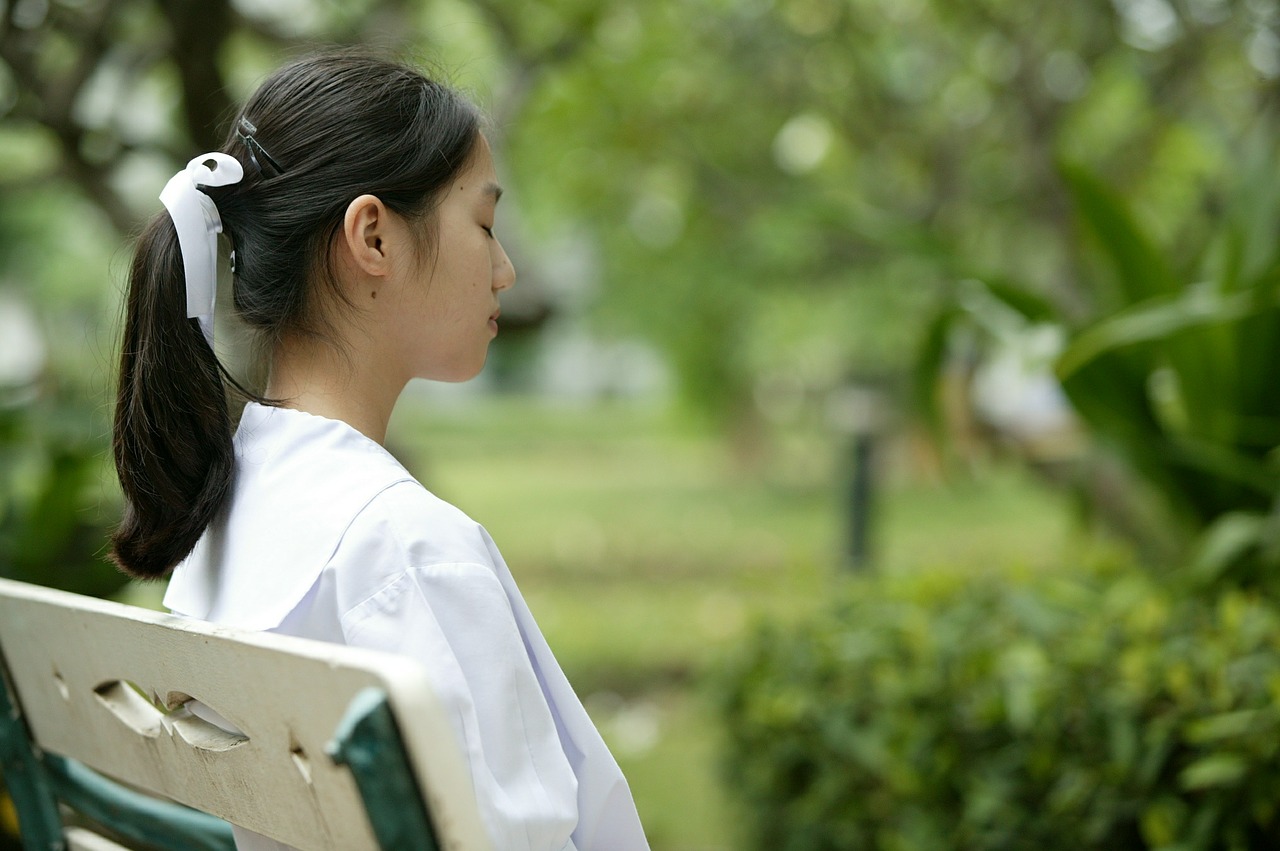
x,y
480,263
462,256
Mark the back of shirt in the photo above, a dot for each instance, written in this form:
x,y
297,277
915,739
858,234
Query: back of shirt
x,y
326,536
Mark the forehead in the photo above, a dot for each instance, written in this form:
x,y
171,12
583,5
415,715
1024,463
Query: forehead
x,y
478,177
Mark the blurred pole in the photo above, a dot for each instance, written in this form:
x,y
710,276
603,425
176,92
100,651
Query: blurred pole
x,y
857,411
861,501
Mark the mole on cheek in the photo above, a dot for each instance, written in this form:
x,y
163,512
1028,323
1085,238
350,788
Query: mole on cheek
x,y
373,294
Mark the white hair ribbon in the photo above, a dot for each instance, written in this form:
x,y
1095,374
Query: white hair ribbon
x,y
196,219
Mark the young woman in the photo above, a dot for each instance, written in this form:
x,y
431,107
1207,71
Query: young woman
x,y
359,199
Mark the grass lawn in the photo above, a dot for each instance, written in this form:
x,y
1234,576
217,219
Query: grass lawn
x,y
646,550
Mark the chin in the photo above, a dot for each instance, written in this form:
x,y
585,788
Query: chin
x,y
457,374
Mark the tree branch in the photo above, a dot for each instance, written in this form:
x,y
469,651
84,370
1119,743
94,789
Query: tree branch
x,y
199,29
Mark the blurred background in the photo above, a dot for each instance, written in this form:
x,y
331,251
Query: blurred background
x,y
882,428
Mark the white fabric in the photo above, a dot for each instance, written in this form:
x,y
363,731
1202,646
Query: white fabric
x,y
196,219
327,536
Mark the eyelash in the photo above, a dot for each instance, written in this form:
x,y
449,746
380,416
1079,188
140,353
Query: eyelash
x,y
487,229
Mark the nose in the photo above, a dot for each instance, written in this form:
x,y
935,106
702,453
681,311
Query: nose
x,y
504,273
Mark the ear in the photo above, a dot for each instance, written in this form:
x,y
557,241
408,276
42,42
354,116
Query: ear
x,y
365,230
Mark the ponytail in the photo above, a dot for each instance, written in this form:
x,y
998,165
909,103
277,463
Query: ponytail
x,y
172,433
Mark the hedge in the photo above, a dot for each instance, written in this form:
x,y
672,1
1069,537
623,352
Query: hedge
x,y
1107,712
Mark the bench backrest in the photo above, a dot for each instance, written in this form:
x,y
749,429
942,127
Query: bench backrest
x,y
103,683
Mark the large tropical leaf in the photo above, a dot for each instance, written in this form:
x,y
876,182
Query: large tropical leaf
x,y
1180,379
1141,270
1156,320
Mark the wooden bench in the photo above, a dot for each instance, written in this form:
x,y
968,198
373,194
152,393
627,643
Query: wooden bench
x,y
341,748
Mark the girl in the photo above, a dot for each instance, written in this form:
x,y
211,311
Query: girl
x,y
359,199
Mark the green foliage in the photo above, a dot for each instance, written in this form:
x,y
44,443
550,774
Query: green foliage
x,y
52,521
57,498
1179,376
1173,371
758,188
1102,713
1184,350
741,164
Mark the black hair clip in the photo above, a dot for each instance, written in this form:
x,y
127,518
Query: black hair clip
x,y
245,134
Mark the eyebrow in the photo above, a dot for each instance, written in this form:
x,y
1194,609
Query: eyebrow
x,y
493,189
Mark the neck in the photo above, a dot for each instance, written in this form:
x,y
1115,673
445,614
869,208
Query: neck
x,y
319,378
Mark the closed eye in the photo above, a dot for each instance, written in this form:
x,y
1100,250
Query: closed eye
x,y
487,229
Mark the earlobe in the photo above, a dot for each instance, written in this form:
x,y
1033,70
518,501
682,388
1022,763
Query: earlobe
x,y
364,227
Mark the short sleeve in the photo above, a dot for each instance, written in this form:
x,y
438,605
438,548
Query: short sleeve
x,y
454,618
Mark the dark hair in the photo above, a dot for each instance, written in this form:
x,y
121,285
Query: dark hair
x,y
337,126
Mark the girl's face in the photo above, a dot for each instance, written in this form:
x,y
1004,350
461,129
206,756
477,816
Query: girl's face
x,y
447,309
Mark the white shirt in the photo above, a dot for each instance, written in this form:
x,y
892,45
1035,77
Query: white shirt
x,y
327,536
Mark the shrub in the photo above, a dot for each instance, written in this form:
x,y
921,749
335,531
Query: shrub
x,y
1100,713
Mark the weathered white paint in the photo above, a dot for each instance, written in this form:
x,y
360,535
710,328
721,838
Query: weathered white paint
x,y
72,659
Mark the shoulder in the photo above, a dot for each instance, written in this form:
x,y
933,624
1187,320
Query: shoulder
x,y
424,527
402,530
310,496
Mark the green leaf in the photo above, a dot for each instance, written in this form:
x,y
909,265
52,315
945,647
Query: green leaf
x,y
1224,542
1035,308
1228,725
1213,771
1225,464
1162,820
1153,320
1141,270
929,370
